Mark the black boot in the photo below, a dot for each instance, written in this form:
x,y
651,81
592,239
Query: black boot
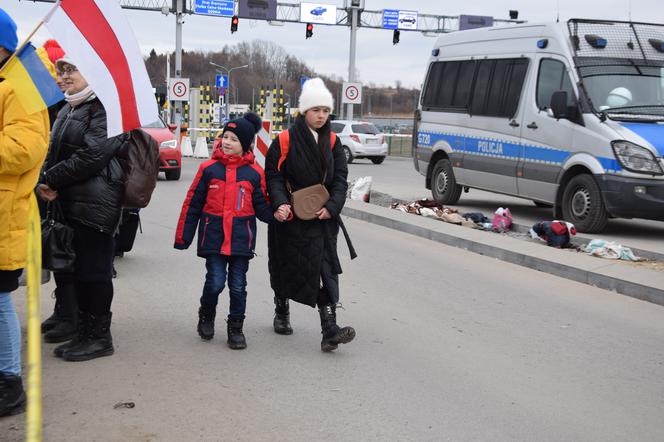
x,y
97,343
53,320
206,315
236,339
12,396
66,306
333,335
82,332
281,321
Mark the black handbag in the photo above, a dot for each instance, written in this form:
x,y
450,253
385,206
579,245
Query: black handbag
x,y
57,241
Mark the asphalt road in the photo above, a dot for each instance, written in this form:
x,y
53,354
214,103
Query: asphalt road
x,y
450,346
397,177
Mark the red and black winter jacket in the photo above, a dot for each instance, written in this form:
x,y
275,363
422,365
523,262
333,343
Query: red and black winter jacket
x,y
226,196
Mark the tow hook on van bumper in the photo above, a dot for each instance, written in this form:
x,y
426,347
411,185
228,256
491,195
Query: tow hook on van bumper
x,y
632,197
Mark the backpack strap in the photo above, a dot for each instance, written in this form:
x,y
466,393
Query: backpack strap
x,y
284,144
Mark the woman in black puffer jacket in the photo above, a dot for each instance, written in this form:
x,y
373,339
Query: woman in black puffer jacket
x,y
84,174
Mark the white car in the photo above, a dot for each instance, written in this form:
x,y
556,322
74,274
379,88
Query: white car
x,y
360,139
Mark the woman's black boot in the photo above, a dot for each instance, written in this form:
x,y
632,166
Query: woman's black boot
x,y
281,322
95,343
236,339
206,315
333,335
66,307
12,396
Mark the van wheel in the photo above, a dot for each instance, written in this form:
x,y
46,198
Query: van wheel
x,y
443,184
583,206
173,174
349,155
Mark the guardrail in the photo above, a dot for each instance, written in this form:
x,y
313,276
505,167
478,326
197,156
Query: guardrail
x,y
399,145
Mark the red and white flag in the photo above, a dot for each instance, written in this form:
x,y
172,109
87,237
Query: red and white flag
x,y
96,35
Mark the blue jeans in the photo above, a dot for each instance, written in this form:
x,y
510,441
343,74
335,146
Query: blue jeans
x,y
215,281
10,336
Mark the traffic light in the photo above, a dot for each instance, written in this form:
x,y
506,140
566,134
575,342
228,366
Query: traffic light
x,y
395,36
310,30
234,22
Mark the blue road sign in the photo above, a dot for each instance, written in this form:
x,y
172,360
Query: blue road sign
x,y
303,80
220,8
390,18
221,81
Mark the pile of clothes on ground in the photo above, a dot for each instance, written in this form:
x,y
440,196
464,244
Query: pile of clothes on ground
x,y
501,221
555,233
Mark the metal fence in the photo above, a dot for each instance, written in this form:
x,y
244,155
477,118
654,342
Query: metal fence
x,y
399,145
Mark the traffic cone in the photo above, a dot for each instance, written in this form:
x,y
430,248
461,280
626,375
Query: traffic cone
x,y
201,150
187,149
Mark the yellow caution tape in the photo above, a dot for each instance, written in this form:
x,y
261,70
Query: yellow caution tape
x,y
33,418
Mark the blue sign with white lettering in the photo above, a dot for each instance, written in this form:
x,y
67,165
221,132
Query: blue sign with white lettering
x,y
390,18
221,81
219,8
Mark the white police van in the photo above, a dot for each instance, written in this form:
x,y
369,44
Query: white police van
x,y
569,115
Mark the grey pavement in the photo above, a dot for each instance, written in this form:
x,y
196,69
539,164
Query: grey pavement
x,y
451,346
398,178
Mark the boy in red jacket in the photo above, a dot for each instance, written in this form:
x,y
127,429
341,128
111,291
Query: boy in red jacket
x,y
226,196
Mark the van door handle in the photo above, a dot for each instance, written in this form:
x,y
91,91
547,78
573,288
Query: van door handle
x,y
513,123
532,125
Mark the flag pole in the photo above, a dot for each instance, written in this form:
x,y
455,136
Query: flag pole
x,y
27,39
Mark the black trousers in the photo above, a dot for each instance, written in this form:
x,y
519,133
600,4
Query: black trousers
x,y
329,292
93,275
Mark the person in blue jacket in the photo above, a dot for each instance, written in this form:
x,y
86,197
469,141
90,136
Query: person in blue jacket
x,y
226,196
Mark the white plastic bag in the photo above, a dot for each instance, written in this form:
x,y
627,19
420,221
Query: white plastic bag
x,y
361,188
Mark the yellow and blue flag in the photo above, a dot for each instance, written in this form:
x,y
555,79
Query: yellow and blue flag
x,y
31,81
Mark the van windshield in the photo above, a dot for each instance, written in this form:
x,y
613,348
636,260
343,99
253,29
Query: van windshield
x,y
624,89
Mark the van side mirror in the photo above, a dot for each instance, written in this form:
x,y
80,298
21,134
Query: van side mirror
x,y
172,127
559,104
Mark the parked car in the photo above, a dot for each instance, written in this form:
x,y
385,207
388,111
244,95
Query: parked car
x,y
360,139
170,154
318,11
545,113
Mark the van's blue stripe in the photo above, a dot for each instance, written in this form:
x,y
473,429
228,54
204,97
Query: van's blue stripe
x,y
653,133
507,150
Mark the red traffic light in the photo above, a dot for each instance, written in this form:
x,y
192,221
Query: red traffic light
x,y
310,30
234,22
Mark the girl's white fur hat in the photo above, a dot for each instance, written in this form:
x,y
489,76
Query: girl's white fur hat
x,y
315,94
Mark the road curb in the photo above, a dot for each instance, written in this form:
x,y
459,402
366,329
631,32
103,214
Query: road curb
x,y
623,286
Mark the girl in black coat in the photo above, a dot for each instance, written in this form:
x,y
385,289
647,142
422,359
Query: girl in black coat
x,y
84,174
303,261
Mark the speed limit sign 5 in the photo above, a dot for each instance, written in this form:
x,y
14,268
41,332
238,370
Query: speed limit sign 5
x,y
352,93
178,89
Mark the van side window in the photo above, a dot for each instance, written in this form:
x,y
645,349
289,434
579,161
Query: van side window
x,y
448,85
488,87
553,77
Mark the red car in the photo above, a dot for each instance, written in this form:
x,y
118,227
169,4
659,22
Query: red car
x,y
170,154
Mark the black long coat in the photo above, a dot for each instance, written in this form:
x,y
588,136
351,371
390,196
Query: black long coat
x,y
297,248
82,166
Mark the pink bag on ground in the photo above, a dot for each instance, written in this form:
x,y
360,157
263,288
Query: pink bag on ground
x,y
502,220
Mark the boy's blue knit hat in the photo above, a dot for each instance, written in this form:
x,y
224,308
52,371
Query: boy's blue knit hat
x,y
245,128
8,37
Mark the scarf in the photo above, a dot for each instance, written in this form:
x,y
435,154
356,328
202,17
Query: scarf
x,y
80,97
306,157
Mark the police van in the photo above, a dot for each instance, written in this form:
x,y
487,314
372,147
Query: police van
x,y
568,115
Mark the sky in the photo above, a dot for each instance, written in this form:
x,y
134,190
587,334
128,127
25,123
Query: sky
x,y
378,60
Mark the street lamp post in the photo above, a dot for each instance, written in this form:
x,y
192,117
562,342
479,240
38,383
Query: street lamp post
x,y
228,72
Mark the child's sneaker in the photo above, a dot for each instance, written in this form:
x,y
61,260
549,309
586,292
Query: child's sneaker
x,y
206,317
